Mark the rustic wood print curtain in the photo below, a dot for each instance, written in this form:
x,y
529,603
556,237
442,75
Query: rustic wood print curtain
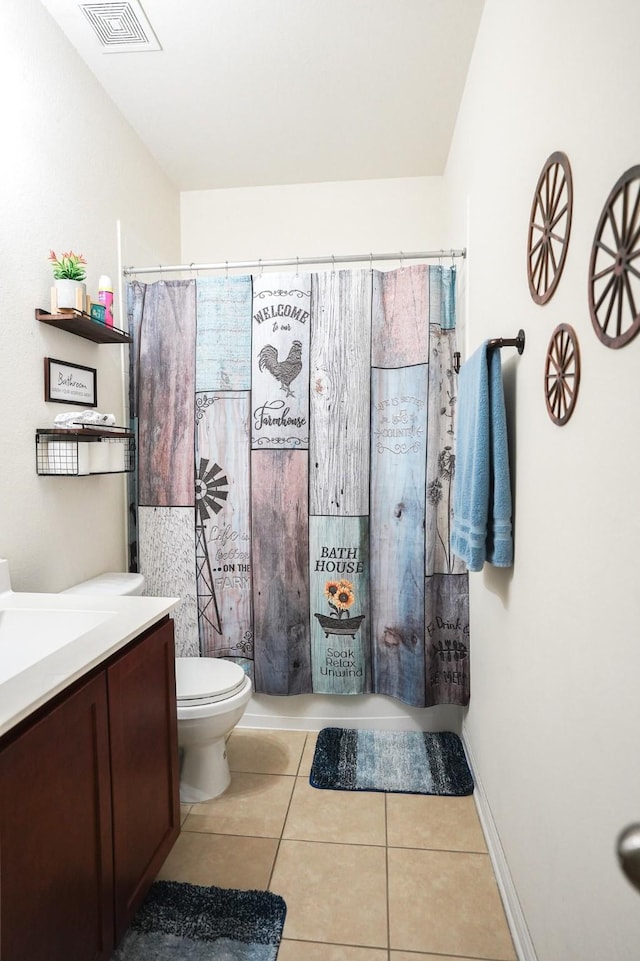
x,y
296,452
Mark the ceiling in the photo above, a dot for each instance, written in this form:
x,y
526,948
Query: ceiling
x,y
265,92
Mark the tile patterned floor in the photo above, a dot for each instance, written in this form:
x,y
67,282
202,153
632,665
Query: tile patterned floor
x,y
366,876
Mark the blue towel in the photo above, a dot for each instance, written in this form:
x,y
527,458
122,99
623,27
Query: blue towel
x,y
482,488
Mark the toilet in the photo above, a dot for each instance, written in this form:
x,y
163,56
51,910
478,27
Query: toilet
x,y
212,695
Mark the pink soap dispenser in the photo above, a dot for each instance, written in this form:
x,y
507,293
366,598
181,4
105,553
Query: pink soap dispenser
x,y
105,297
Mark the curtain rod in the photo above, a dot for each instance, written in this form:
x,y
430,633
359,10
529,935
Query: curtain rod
x,y
299,261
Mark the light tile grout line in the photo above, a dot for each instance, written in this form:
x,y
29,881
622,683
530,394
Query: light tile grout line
x,y
284,820
351,844
355,844
386,867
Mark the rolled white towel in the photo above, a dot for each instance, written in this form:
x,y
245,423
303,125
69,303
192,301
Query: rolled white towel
x,y
116,455
84,453
63,457
99,458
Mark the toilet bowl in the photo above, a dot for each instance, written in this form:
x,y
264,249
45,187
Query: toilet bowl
x,y
212,695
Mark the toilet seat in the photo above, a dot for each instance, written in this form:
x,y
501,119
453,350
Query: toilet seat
x,y
207,680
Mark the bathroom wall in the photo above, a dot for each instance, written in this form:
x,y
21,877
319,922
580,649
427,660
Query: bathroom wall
x,y
71,168
553,722
307,220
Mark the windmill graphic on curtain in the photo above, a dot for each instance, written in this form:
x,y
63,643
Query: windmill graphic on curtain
x,y
211,494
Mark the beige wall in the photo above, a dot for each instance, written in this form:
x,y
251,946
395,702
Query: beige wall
x,y
71,167
307,220
554,716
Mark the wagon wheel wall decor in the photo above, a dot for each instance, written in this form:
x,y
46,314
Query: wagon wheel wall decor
x,y
614,269
549,227
562,374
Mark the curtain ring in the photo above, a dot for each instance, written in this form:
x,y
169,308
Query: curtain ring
x,y
371,262
401,264
333,264
260,265
297,266
226,269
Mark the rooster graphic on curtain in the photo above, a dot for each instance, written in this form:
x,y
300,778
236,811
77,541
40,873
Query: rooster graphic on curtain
x,y
284,371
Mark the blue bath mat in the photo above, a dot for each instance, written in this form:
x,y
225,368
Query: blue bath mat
x,y
405,762
186,922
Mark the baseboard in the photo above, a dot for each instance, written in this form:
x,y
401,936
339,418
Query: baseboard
x,y
522,942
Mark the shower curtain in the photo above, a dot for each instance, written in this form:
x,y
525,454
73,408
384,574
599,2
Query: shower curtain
x,y
296,452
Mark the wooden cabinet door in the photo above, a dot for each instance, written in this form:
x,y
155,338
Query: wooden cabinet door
x,y
144,766
56,882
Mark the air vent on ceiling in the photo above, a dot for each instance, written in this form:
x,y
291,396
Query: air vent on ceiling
x,y
121,27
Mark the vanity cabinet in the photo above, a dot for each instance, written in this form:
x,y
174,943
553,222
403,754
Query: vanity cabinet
x,y
144,767
89,806
56,858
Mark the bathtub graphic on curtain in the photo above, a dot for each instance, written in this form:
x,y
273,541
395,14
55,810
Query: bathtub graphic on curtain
x,y
296,462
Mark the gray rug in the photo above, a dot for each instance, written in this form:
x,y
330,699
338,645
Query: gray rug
x,y
403,762
185,922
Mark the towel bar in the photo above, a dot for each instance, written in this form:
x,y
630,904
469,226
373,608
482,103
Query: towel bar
x,y
497,342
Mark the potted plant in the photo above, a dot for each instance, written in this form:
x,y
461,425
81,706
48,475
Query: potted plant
x,y
69,274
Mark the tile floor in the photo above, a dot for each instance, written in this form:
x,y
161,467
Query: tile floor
x,y
366,876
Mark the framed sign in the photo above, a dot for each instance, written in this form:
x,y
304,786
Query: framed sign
x,y
70,383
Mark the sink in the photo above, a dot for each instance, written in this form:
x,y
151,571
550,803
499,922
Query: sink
x,y
28,635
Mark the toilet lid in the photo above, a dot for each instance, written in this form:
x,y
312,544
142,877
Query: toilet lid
x,y
204,680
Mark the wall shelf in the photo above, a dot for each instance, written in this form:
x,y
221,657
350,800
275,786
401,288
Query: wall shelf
x,y
83,325
81,452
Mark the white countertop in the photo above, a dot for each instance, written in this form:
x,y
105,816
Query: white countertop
x,y
128,617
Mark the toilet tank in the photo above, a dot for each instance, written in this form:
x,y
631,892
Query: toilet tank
x,y
112,582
